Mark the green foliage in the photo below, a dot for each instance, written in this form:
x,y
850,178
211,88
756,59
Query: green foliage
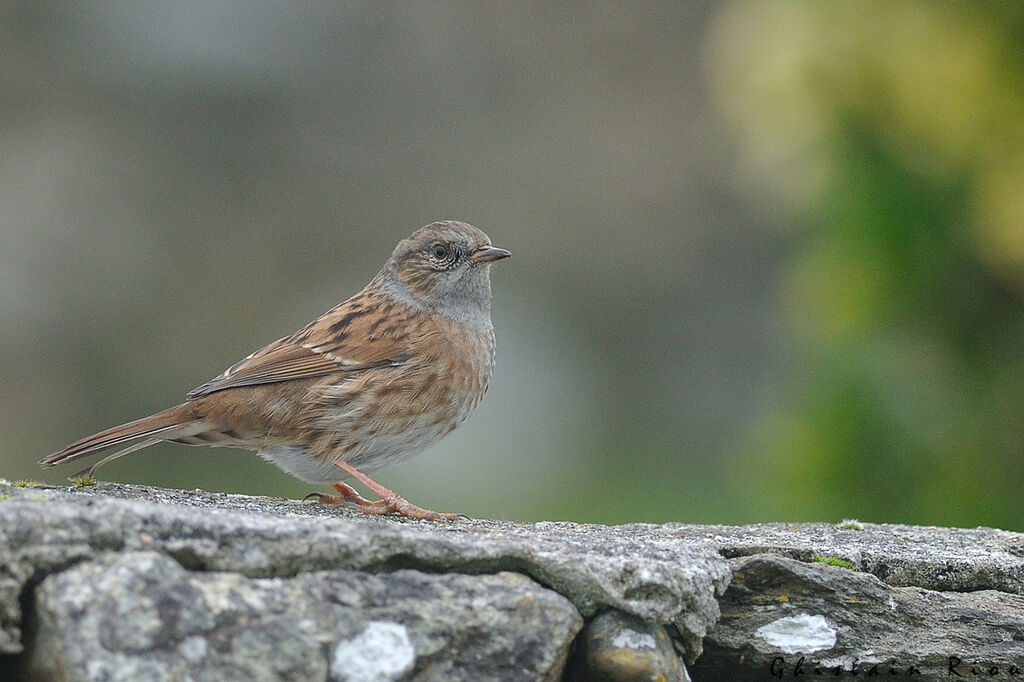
x,y
833,561
905,291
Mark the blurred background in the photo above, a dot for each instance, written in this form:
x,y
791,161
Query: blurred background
x,y
768,256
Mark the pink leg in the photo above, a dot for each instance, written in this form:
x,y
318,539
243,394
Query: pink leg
x,y
389,502
348,494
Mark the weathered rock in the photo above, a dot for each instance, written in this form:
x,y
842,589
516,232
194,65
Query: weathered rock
x,y
615,647
783,618
639,570
182,583
950,559
141,616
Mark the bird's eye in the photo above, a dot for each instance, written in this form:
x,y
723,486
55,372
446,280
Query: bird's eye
x,y
439,251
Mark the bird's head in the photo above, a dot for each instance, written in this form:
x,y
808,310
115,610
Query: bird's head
x,y
445,268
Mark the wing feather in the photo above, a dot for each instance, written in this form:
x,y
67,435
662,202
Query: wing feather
x,y
341,340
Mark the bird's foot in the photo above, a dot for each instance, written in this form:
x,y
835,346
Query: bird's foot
x,y
389,502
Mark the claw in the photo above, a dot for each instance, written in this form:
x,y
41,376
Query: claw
x,y
389,502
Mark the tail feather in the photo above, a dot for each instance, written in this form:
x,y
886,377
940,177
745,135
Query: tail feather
x,y
89,471
165,425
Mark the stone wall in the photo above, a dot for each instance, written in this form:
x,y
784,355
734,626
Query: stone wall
x,y
128,583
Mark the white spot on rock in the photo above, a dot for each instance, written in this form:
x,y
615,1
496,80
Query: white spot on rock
x,y
844,663
192,649
380,652
631,639
799,634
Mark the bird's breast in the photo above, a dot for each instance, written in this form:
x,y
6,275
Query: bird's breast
x,y
380,417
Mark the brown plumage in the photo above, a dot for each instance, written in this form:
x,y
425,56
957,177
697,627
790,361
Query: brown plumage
x,y
368,384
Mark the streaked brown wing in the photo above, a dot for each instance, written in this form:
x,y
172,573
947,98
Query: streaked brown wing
x,y
341,340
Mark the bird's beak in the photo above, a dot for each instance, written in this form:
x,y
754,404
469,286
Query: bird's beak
x,y
489,254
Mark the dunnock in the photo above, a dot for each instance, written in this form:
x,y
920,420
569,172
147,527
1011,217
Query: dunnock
x,y
368,384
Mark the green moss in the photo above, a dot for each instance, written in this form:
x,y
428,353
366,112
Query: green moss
x,y
833,561
85,482
851,524
26,484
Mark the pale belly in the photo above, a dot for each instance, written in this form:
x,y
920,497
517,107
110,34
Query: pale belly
x,y
367,452
374,436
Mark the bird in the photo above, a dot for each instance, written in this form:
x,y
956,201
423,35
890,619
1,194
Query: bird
x,y
372,382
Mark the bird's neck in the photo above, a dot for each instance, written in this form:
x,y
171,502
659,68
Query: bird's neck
x,y
469,308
